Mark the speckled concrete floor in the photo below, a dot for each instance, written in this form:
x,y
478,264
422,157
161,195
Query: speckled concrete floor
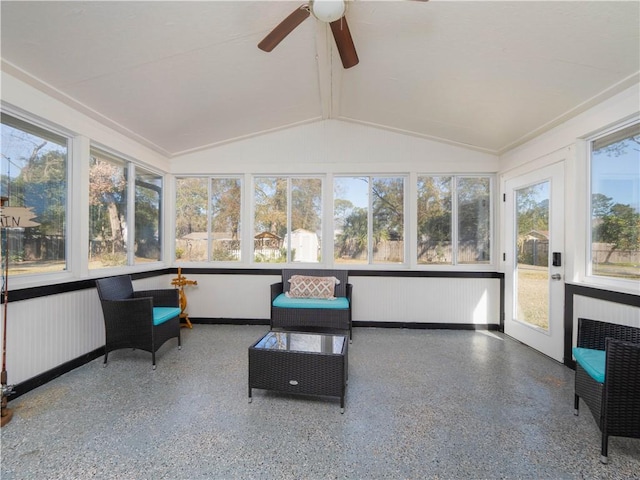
x,y
420,404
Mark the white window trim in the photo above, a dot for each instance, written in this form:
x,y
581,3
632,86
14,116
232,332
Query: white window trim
x,y
586,276
492,265
131,267
71,259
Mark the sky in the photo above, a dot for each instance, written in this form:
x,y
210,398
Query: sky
x,y
618,176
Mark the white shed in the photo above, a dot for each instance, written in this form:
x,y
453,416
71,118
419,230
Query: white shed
x,y
305,245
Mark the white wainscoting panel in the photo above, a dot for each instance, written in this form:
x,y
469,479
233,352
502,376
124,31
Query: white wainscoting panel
x,y
595,309
230,296
426,299
46,332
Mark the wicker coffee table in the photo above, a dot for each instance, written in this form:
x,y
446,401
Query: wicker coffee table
x,y
302,363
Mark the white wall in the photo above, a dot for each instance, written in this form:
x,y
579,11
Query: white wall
x,y
44,333
426,300
333,146
567,143
18,96
375,299
623,106
21,99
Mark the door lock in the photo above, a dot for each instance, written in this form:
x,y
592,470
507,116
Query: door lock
x,y
556,276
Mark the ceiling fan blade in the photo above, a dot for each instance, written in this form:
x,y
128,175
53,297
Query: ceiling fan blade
x,y
344,42
284,28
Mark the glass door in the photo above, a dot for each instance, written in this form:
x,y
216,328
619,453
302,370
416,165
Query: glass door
x,y
534,286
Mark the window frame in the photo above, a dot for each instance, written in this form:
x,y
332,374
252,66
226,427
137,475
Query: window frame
x,y
69,273
209,248
612,283
250,248
133,236
406,194
455,239
131,166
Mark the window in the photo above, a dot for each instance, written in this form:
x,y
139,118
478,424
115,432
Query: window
x,y
148,216
369,220
469,242
434,220
287,219
615,204
208,234
226,200
107,210
474,219
112,243
34,173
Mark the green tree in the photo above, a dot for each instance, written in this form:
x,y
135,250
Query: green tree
x,y
473,215
306,204
147,217
353,240
226,202
341,210
533,213
434,214
388,209
42,186
615,224
107,203
271,205
191,206
600,205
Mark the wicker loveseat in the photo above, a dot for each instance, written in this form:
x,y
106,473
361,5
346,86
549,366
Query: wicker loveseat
x,y
608,377
311,314
143,319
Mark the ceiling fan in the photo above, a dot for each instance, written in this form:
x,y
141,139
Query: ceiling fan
x,y
328,11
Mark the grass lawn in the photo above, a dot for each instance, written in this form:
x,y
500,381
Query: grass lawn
x,y
533,295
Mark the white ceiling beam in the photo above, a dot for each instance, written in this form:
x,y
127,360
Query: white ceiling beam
x,y
330,71
323,60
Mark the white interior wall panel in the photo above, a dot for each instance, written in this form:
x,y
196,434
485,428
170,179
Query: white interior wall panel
x,y
17,93
152,283
230,296
46,332
333,146
426,300
375,299
596,309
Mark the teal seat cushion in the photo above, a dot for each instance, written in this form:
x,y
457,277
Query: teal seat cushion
x,y
593,362
282,301
162,314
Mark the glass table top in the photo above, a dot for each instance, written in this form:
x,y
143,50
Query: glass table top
x,y
302,342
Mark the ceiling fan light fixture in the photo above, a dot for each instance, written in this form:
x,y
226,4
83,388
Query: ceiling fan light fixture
x,y
328,10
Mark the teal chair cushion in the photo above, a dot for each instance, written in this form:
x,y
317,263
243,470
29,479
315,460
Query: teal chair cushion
x,y
162,314
282,301
593,362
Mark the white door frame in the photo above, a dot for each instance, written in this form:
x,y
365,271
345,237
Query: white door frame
x,y
551,342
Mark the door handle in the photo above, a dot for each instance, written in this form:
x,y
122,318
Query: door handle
x,y
556,276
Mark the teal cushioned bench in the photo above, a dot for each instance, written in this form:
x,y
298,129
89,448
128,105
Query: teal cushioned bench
x,y
282,301
593,361
309,314
162,314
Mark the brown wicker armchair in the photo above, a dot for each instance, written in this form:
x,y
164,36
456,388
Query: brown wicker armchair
x,y
144,319
615,401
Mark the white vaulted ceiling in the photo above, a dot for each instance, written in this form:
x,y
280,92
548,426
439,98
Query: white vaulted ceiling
x,y
181,76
